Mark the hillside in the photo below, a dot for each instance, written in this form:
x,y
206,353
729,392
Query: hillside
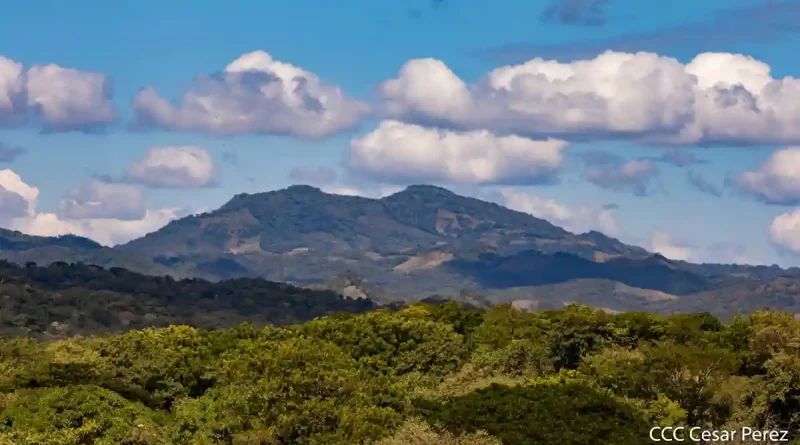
x,y
303,235
422,375
421,241
62,300
21,249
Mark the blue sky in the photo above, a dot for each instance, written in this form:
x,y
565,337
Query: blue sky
x,y
100,175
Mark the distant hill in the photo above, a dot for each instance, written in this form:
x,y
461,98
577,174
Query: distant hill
x,y
16,241
65,299
422,241
305,236
21,249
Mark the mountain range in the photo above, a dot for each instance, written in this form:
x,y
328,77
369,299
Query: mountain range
x,y
422,241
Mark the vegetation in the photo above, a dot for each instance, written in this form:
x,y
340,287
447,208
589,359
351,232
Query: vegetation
x,y
424,374
64,299
421,241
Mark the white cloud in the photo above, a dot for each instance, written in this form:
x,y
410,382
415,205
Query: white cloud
x,y
254,94
59,98
12,90
12,205
106,231
367,192
717,97
103,200
174,167
344,191
90,213
403,153
12,185
671,248
578,219
67,98
777,180
785,230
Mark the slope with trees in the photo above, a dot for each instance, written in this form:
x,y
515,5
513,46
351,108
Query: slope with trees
x,y
423,374
64,299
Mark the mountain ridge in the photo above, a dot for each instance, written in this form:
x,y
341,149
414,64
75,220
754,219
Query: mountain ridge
x,y
420,241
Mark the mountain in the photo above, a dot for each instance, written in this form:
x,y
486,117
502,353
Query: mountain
x,y
16,241
21,248
422,241
303,235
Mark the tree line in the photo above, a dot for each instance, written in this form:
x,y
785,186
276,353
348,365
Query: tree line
x,y
421,374
66,299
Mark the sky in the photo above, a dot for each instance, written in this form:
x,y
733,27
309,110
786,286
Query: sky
x,y
670,125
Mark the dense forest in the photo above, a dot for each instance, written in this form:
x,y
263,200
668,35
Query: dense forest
x,y
66,299
422,374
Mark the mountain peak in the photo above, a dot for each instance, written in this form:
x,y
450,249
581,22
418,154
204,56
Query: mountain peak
x,y
426,191
301,189
428,188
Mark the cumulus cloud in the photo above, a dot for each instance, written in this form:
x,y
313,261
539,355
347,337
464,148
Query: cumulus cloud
x,y
106,231
715,98
784,231
578,219
314,176
610,172
403,153
373,192
90,211
701,184
671,248
174,167
13,91
103,200
12,205
776,181
59,98
12,184
255,94
17,199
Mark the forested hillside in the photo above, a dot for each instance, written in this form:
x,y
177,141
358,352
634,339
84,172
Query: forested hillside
x,y
421,241
64,299
420,375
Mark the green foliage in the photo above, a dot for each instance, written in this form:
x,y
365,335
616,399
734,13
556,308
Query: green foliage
x,y
67,299
687,374
569,413
394,343
574,376
77,415
417,432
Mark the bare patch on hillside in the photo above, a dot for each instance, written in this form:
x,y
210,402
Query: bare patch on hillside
x,y
374,256
649,295
353,292
297,251
429,261
242,247
601,257
446,220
